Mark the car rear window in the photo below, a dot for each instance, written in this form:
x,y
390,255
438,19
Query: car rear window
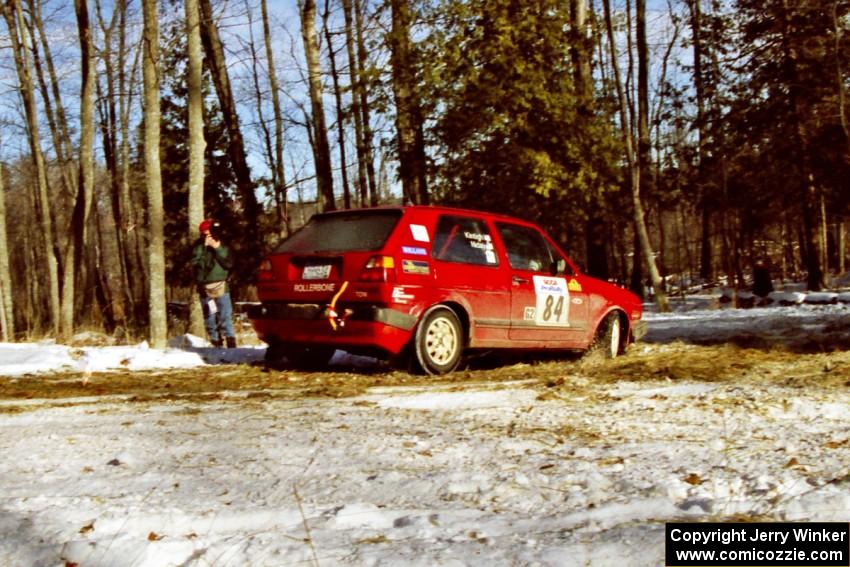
x,y
354,231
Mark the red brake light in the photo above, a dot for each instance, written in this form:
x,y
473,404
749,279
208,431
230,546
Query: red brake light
x,y
379,269
264,272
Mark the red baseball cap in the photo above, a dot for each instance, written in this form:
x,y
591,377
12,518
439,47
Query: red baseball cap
x,y
205,225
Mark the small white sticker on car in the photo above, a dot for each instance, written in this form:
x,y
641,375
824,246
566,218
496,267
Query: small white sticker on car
x,y
420,233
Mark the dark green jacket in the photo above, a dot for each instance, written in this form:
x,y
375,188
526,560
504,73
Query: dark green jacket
x,y
211,264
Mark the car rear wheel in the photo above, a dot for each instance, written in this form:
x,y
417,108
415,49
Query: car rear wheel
x,y
608,342
438,341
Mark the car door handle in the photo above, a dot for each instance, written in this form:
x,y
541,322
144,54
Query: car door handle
x,y
516,280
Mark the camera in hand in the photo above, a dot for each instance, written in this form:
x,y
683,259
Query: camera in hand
x,y
215,230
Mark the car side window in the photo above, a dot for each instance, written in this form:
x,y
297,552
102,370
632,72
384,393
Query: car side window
x,y
463,239
562,267
526,248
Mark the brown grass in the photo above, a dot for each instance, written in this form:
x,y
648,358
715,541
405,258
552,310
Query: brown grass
x,y
556,378
727,363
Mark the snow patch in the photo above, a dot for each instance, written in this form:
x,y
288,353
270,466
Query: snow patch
x,y
459,400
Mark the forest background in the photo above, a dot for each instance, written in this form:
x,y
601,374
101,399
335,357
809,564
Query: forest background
x,y
672,144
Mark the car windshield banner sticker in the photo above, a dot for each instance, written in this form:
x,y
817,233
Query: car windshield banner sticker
x,y
553,301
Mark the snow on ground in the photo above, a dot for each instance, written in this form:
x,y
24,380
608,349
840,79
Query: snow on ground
x,y
508,473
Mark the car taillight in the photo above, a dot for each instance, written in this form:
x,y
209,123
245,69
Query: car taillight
x,y
264,272
379,269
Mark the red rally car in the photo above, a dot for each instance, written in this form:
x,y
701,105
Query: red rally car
x,y
428,283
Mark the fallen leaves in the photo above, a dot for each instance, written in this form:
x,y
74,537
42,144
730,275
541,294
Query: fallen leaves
x,y
87,528
694,479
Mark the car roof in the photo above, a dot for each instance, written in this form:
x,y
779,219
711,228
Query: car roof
x,y
433,209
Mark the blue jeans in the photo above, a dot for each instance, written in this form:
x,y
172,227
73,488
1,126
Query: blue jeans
x,y
221,315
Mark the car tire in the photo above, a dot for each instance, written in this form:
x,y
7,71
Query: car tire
x,y
274,353
608,342
438,343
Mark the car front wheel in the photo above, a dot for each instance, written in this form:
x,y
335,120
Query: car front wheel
x,y
439,341
609,337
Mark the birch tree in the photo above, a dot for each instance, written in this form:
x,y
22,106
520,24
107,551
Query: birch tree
x,y
245,187
7,303
633,168
153,177
12,14
197,144
85,187
321,148
278,170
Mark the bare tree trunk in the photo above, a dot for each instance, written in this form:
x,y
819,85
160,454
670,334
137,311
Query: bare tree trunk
x,y
824,234
340,114
411,144
6,293
837,34
153,176
259,97
85,187
111,272
55,120
582,54
236,148
322,153
11,12
809,202
135,274
354,79
644,158
634,171
278,167
197,145
363,98
706,269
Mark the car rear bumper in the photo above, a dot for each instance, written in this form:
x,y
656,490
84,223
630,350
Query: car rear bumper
x,y
365,327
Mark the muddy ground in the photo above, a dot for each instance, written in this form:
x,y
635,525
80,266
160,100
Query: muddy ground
x,y
559,376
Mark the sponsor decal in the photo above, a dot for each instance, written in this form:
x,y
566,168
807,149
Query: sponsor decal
x,y
420,233
482,242
577,300
399,296
307,288
415,267
574,285
414,250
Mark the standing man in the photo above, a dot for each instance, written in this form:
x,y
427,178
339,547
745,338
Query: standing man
x,y
212,263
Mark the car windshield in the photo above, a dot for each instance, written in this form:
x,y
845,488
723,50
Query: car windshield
x,y
342,232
